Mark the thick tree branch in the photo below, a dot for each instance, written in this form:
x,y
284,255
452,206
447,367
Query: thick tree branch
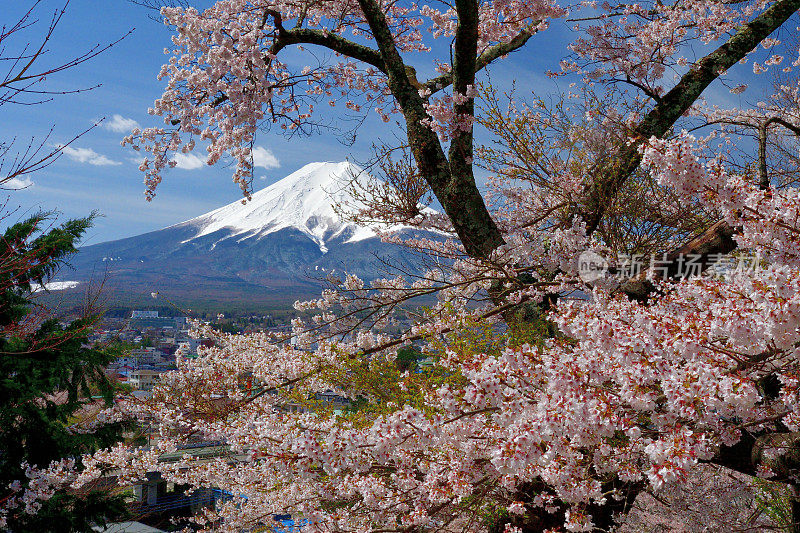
x,y
460,197
718,239
485,59
763,177
465,49
609,177
333,42
395,69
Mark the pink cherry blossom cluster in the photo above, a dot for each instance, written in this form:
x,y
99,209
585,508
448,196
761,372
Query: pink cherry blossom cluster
x,y
687,365
500,20
525,413
638,43
522,414
675,162
39,486
768,218
444,119
102,417
226,79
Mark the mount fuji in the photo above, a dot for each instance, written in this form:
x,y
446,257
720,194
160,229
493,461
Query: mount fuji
x,y
268,251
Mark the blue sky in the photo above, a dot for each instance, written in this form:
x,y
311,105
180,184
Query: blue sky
x,y
97,174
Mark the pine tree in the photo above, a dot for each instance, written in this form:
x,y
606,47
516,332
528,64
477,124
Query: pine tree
x,y
47,374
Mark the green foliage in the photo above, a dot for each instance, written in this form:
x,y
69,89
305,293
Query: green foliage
x,y
118,347
408,359
74,512
379,385
227,327
774,500
47,374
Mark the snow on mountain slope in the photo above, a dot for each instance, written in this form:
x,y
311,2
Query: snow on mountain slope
x,y
302,200
270,251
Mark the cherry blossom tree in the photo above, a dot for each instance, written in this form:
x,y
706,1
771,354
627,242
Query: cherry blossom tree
x,y
557,420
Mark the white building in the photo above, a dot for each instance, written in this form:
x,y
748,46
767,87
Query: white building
x,y
144,379
144,314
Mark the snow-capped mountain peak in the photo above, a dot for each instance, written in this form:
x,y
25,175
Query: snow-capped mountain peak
x,y
303,200
278,247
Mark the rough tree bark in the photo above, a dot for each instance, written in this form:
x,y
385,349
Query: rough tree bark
x,y
763,177
451,180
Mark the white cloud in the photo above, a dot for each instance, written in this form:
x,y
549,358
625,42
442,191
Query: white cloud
x,y
87,155
16,184
264,158
188,161
120,124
